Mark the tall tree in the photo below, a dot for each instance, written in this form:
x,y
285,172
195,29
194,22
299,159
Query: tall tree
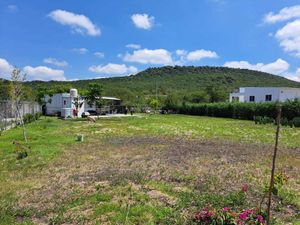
x,y
93,94
17,94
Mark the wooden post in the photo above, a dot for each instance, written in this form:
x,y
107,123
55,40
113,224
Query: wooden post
x,y
278,118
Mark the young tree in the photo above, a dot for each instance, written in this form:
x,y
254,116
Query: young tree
x,y
16,95
216,93
93,94
154,103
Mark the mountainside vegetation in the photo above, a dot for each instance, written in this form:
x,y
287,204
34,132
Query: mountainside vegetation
x,y
188,83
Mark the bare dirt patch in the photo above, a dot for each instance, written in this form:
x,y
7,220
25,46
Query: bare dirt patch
x,y
154,169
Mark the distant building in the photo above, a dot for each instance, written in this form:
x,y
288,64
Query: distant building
x,y
64,105
264,94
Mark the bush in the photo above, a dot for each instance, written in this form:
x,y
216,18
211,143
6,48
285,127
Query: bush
x,y
38,115
284,121
264,112
28,118
296,122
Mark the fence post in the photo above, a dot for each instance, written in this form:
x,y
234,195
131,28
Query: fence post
x,y
278,118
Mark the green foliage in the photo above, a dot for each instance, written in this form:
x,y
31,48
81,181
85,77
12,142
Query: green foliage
x,y
263,120
28,118
216,93
204,96
154,104
4,89
93,94
171,101
296,121
184,81
262,112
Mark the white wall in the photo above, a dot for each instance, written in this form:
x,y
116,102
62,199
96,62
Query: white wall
x,y
278,94
60,102
260,94
289,93
56,104
88,107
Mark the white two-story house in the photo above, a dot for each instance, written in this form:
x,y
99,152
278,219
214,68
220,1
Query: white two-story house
x,y
264,94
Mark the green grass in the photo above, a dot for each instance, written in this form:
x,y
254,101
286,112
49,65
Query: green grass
x,y
198,127
138,182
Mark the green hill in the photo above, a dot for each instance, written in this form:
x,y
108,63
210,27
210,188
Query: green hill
x,y
169,80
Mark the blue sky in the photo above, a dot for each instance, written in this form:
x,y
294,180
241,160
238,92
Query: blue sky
x,y
67,40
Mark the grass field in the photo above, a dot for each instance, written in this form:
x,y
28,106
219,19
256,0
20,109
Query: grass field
x,y
147,169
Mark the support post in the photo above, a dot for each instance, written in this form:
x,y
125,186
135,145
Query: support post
x,y
278,118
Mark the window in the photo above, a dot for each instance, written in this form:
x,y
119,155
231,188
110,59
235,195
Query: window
x,y
268,98
252,98
65,102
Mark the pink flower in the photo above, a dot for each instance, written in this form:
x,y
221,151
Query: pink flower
x,y
245,188
243,215
226,209
260,219
210,214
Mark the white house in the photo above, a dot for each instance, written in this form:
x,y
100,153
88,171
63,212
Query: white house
x,y
64,105
264,94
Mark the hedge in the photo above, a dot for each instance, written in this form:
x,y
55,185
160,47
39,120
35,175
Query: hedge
x,y
248,111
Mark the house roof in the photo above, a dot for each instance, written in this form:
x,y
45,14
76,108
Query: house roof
x,y
110,98
274,88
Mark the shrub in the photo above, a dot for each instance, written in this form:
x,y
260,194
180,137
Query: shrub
x,y
296,121
28,118
37,115
284,121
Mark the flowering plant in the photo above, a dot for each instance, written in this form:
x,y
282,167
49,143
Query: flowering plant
x,y
226,216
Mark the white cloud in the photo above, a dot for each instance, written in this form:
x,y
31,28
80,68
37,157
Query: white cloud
x,y
200,54
81,51
147,56
78,23
284,14
279,67
44,73
181,52
185,56
55,62
114,69
5,69
143,21
99,54
12,8
294,76
289,37
134,46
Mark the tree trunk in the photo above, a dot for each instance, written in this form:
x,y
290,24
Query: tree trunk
x,y
22,123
